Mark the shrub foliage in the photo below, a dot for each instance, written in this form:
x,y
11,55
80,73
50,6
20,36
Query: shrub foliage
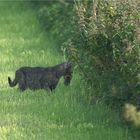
x,y
105,45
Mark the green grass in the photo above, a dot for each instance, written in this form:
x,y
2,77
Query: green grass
x,y
41,115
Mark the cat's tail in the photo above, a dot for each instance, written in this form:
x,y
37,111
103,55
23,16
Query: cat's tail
x,y
12,83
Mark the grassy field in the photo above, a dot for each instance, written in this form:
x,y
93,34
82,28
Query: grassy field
x,y
39,115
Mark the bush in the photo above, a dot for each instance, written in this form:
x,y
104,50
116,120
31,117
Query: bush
x,y
56,18
105,46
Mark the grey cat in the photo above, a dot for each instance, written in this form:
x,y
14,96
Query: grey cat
x,y
41,77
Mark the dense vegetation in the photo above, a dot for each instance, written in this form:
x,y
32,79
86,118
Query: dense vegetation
x,y
102,38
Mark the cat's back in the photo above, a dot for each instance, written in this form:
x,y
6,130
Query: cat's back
x,y
27,69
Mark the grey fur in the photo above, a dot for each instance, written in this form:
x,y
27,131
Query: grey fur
x,y
41,77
